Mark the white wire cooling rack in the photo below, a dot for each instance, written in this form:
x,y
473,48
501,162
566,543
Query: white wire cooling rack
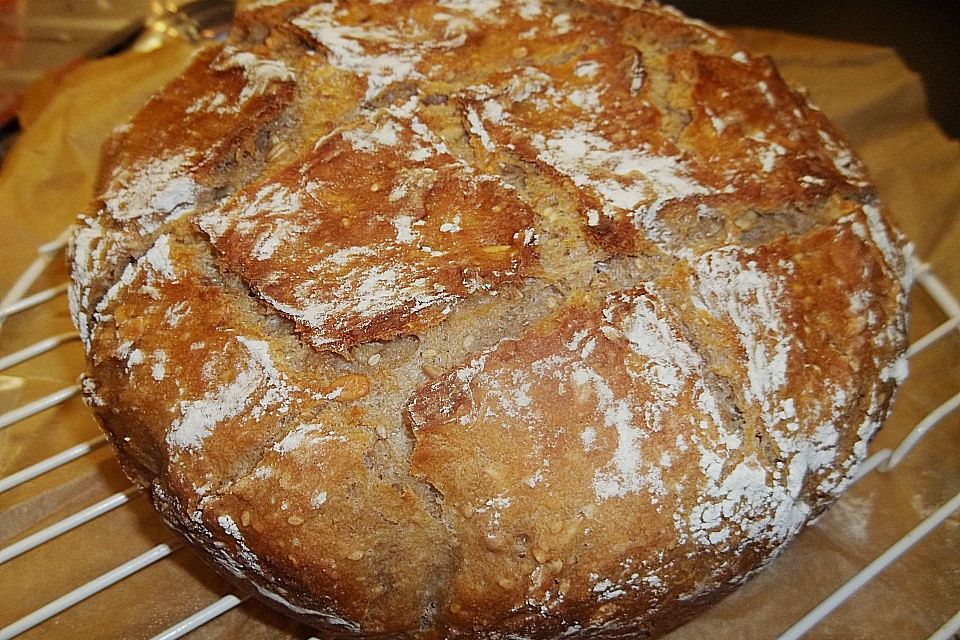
x,y
17,300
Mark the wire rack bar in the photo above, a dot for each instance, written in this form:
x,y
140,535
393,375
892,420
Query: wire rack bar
x,y
41,404
947,631
868,573
933,336
83,592
919,431
32,301
51,248
938,291
67,524
45,254
51,463
200,618
870,464
36,349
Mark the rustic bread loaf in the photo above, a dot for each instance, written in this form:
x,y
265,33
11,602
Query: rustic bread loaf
x,y
486,319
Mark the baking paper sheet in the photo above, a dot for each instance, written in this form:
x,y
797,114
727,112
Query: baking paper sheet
x,y
46,180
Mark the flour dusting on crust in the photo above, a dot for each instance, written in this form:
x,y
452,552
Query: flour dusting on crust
x,y
496,319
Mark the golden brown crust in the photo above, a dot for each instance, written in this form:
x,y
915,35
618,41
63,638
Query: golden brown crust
x,y
158,166
228,436
443,319
650,456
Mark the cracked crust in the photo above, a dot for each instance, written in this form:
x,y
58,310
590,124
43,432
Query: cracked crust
x,y
494,319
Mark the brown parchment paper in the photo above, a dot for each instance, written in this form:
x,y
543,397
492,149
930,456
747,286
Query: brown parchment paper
x,y
46,179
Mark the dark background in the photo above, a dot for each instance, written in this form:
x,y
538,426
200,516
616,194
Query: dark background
x,y
923,33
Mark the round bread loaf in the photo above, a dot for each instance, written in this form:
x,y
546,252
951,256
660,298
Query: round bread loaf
x,y
486,318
